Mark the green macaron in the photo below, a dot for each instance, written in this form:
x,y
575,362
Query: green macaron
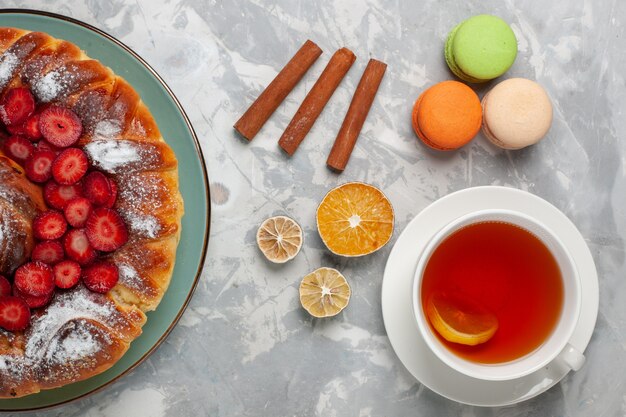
x,y
481,48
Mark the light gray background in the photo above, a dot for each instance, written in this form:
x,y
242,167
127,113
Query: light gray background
x,y
245,347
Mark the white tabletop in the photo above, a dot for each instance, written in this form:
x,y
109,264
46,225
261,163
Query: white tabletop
x,y
245,346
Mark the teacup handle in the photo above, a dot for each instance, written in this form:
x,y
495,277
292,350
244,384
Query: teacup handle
x,y
572,357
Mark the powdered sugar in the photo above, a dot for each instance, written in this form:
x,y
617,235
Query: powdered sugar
x,y
64,335
48,87
8,62
109,155
145,225
64,308
140,197
137,127
129,277
54,85
107,129
79,343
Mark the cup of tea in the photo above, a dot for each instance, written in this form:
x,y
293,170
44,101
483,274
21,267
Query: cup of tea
x,y
497,296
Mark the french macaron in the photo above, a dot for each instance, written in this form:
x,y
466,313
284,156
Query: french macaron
x,y
481,48
447,115
516,113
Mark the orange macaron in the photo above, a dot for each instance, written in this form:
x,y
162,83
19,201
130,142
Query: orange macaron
x,y
447,115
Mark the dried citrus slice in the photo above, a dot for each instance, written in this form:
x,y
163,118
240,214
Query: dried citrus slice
x,y
324,292
279,238
460,320
355,219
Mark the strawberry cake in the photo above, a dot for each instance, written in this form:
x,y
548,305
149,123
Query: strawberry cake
x,y
90,214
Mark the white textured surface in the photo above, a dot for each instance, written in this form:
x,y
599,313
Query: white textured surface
x,y
245,347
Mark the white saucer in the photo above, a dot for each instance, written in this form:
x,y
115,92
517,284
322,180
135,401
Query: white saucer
x,y
397,292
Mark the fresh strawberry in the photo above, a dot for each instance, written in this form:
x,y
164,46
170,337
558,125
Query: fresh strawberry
x,y
97,188
113,198
49,252
78,248
19,130
60,126
44,145
58,196
77,211
31,128
100,277
34,278
34,301
14,313
49,225
16,106
18,148
38,166
106,230
66,274
5,287
70,166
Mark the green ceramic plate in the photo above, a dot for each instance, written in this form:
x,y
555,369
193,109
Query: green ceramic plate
x,y
173,123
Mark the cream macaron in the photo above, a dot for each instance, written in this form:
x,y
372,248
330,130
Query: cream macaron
x,y
516,113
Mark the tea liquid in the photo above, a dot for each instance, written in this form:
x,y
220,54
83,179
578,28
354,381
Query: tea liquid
x,y
510,272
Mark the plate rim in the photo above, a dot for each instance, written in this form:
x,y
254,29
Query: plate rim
x,y
205,180
594,298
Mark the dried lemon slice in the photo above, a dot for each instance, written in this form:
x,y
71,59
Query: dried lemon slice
x,y
460,320
279,238
355,219
324,292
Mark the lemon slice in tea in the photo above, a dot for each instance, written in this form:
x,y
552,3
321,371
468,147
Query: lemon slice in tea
x,y
460,320
324,292
279,238
355,219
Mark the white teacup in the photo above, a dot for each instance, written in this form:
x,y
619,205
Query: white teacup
x,y
555,347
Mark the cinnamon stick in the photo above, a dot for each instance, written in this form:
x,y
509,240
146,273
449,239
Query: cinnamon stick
x,y
316,100
356,115
257,114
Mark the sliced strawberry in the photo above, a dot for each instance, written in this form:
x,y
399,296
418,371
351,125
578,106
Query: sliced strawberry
x,y
78,248
34,278
58,196
60,126
38,166
14,313
113,198
5,287
16,106
49,225
70,166
100,277
44,145
77,211
66,274
49,252
106,230
97,188
19,130
18,148
34,301
31,128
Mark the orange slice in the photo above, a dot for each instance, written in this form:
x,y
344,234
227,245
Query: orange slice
x,y
460,320
355,219
279,238
324,292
